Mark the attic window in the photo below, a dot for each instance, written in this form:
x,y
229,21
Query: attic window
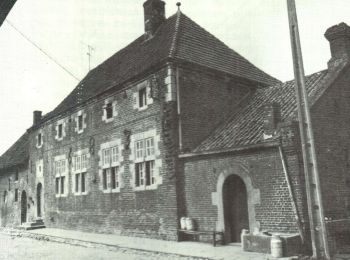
x,y
109,110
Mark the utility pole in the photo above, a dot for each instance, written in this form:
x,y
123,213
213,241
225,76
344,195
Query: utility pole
x,y
317,224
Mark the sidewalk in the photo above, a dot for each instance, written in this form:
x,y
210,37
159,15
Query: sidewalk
x,y
116,242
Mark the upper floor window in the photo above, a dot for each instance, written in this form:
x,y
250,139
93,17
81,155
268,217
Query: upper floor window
x,y
109,110
143,97
39,140
80,122
16,175
60,131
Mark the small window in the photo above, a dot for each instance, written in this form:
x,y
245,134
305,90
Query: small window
x,y
104,178
58,185
80,122
109,111
39,140
114,178
62,184
83,182
16,195
142,97
60,131
77,179
16,176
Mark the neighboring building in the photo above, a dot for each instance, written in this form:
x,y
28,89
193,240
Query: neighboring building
x,y
173,125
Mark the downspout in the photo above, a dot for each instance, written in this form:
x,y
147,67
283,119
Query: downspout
x,y
291,194
178,107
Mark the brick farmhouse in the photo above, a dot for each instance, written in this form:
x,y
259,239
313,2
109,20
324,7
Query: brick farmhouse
x,y
176,125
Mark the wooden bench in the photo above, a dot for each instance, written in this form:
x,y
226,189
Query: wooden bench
x,y
195,233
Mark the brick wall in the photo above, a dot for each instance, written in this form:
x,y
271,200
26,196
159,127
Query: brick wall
x,y
274,210
331,124
151,213
10,208
207,99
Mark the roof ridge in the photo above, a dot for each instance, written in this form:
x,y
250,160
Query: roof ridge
x,y
173,46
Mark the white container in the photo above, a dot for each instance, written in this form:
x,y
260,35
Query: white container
x,y
189,224
276,246
183,223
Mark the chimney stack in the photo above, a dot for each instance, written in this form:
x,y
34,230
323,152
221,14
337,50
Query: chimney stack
x,y
154,11
339,39
272,116
37,117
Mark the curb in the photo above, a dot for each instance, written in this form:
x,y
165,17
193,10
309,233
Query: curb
x,y
89,244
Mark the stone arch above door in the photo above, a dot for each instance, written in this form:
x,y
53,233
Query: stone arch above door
x,y
252,194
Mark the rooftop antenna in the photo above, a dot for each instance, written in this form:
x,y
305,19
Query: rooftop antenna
x,y
89,54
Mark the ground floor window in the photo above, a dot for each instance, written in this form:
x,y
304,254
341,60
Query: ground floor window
x,y
80,182
60,183
144,174
110,178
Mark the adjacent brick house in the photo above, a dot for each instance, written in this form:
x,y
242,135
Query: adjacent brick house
x,y
165,128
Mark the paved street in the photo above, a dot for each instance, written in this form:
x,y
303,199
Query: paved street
x,y
13,247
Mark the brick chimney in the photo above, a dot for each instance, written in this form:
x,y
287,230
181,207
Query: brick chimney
x,y
37,117
272,116
339,39
154,11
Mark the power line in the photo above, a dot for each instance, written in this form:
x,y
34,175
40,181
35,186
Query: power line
x,y
43,51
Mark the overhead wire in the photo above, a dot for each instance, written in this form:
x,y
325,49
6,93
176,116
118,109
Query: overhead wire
x,y
42,50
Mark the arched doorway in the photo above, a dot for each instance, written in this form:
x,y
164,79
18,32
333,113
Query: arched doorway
x,y
235,202
39,189
23,207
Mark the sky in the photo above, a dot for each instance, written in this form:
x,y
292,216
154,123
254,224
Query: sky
x,y
63,29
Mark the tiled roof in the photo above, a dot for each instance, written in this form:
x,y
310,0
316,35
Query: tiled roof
x,y
177,38
17,154
244,128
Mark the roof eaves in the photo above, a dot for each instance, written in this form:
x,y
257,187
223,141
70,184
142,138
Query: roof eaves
x,y
267,144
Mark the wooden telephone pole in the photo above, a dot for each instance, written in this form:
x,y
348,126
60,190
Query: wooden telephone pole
x,y
318,230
